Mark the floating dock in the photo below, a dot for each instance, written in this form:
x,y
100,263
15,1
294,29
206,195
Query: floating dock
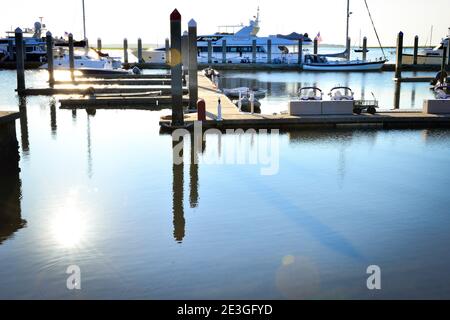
x,y
233,119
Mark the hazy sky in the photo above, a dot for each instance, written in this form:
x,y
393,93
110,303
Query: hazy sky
x,y
113,20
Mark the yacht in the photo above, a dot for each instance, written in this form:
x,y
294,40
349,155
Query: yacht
x,y
34,44
239,46
430,56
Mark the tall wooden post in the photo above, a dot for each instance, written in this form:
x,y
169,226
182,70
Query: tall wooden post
x,y
416,49
254,51
193,65
300,51
71,57
99,44
125,51
167,51
224,51
210,49
316,46
185,51
348,46
399,61
140,60
176,69
269,51
364,48
50,66
20,60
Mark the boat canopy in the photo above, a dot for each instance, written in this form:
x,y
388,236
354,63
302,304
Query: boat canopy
x,y
295,36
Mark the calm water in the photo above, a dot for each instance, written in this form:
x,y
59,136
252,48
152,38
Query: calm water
x,y
101,192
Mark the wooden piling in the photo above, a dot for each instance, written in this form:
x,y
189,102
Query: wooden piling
x,y
99,44
210,51
140,60
167,51
364,48
193,65
398,64
316,46
224,51
348,48
176,69
185,51
71,57
269,51
254,51
416,49
50,66
300,51
20,60
125,51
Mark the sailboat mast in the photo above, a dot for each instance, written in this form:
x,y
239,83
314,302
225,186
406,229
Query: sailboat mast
x,y
84,21
347,31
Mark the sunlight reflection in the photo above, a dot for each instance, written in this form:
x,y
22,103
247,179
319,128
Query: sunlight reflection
x,y
69,226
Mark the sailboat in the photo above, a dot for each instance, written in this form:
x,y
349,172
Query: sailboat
x,y
322,63
360,49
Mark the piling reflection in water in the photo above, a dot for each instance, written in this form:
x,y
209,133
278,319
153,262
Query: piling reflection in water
x,y
53,123
24,125
398,88
178,194
10,207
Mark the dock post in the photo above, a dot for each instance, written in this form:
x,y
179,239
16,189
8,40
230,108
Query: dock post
x,y
140,60
20,60
364,55
398,64
448,55
444,59
316,46
167,51
99,45
348,48
224,51
300,51
185,51
254,51
176,69
219,110
71,57
416,49
125,51
193,64
50,67
269,51
210,51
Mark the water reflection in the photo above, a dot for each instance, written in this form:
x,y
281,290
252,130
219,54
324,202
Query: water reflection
x,y
398,88
10,208
53,124
179,222
24,125
89,147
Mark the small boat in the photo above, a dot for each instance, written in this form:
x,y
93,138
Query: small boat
x,y
429,56
87,65
245,104
360,50
337,95
310,93
442,91
244,91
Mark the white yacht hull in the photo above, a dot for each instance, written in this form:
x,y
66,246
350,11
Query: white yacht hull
x,y
421,59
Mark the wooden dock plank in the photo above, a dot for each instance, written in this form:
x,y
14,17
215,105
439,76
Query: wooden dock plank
x,y
123,82
83,91
153,103
8,116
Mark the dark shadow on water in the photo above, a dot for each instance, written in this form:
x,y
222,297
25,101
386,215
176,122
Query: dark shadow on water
x,y
10,206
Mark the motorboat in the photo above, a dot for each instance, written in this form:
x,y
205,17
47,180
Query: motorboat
x,y
322,63
239,46
245,104
310,94
244,91
86,64
442,91
429,56
341,94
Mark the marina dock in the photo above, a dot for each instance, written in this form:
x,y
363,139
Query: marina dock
x,y
233,119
